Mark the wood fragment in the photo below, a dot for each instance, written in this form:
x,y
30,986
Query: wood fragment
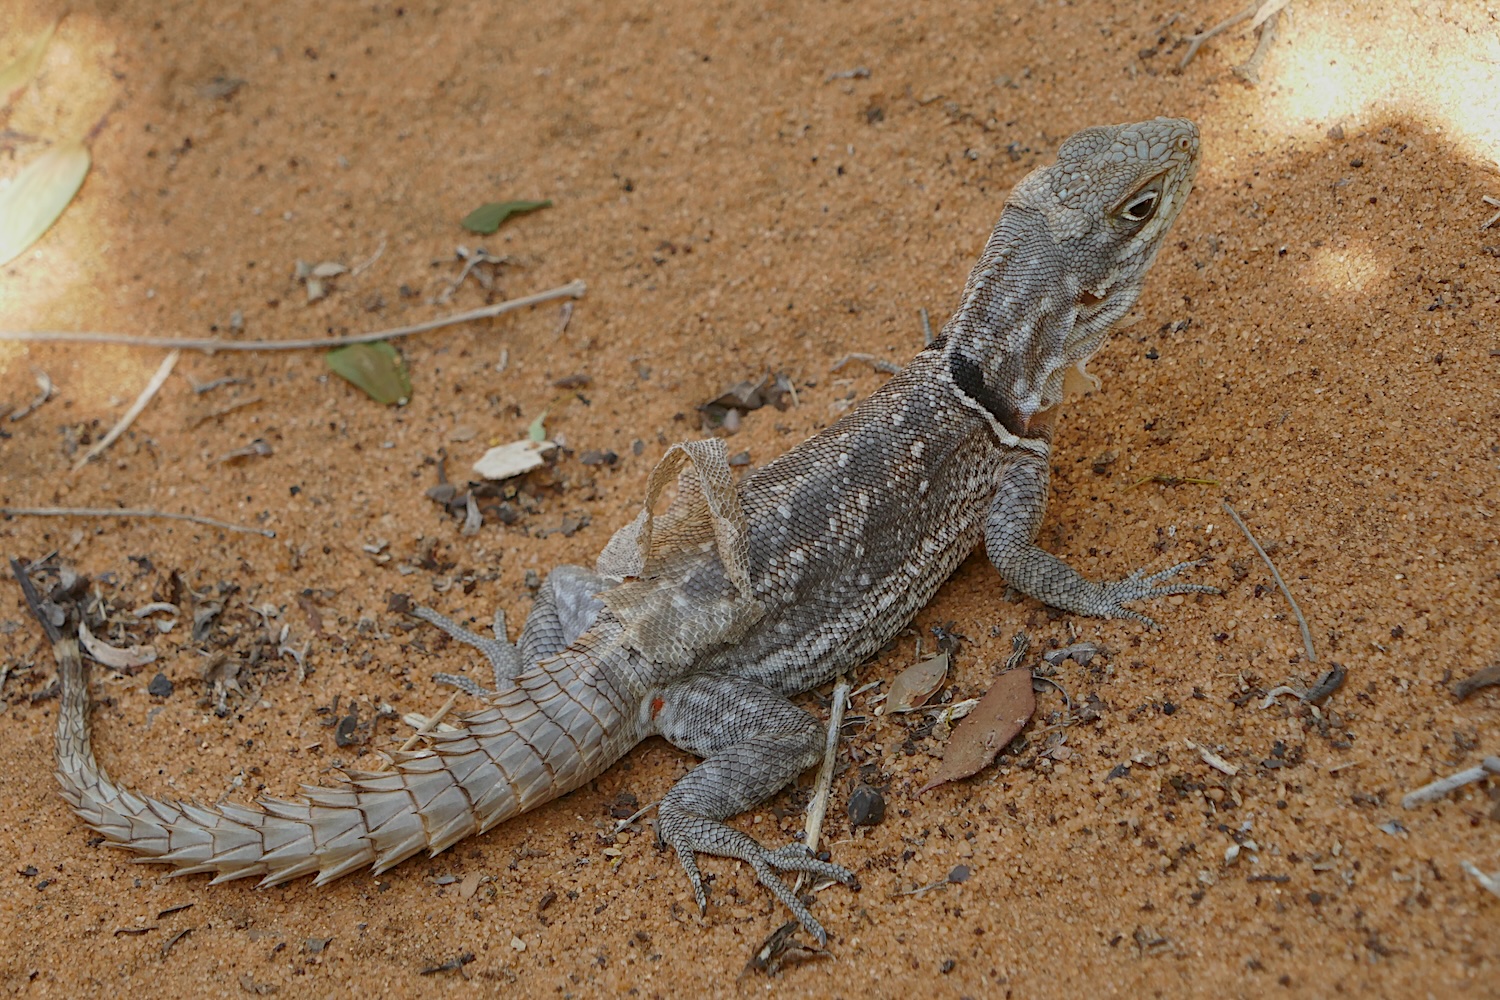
x,y
163,371
1490,882
1488,677
224,411
131,512
426,728
1249,70
169,943
1435,790
817,809
1195,41
1166,480
1492,202
1212,759
209,345
1307,645
879,364
47,391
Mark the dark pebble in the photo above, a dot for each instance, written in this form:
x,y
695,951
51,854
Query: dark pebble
x,y
160,686
866,806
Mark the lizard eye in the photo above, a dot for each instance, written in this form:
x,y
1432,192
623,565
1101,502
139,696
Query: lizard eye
x,y
1141,208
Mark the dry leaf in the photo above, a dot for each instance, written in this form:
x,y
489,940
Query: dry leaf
x,y
914,685
114,657
38,195
19,72
512,459
978,739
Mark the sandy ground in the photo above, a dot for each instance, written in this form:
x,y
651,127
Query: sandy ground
x,y
1318,341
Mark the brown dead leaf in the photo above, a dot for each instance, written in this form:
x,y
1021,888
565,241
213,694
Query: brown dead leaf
x,y
1000,715
914,685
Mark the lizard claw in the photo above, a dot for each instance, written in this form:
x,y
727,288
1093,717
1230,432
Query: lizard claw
x,y
1138,586
767,864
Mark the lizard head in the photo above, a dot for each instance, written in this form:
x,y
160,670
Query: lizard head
x,y
1065,263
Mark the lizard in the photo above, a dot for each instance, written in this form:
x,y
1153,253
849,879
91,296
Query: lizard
x,y
700,622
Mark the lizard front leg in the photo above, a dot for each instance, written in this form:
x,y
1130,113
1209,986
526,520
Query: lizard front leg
x,y
1010,531
753,741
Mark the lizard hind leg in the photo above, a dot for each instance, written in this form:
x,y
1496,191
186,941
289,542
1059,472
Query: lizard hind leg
x,y
754,742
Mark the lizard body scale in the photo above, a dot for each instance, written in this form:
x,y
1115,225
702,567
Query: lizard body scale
x,y
700,622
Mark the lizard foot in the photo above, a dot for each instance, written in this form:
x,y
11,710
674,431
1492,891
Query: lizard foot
x,y
716,838
504,656
1138,586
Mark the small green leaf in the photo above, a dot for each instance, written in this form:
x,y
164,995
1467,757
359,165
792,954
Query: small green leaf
x,y
537,432
19,72
375,368
487,218
37,196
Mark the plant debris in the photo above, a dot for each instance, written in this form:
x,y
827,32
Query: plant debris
x,y
1433,791
126,660
724,410
1488,677
914,685
507,461
1000,715
375,369
781,950
38,195
488,217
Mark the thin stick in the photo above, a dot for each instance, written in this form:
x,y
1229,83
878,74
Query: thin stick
x,y
574,289
1301,622
427,727
1490,882
818,808
163,372
1249,70
1194,41
1490,767
130,512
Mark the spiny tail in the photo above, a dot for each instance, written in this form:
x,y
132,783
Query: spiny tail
x,y
536,741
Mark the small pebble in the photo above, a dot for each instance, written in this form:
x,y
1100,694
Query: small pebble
x,y
160,686
866,806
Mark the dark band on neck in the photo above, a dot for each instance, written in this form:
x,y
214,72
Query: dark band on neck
x,y
969,378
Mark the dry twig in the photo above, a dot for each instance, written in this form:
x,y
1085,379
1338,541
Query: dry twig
x,y
163,371
1435,790
209,345
818,808
1301,621
130,512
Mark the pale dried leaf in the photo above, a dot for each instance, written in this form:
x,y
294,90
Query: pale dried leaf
x,y
914,685
114,657
19,72
512,459
34,199
978,739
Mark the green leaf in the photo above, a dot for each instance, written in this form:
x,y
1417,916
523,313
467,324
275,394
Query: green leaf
x,y
538,431
18,73
37,196
487,218
375,368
